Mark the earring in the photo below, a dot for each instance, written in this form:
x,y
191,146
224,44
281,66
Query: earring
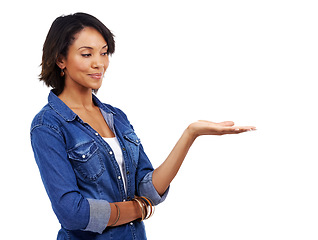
x,y
62,72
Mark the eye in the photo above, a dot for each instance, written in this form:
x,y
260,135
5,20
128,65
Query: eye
x,y
86,55
105,54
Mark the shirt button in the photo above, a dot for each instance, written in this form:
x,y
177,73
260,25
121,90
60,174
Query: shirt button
x,y
96,134
119,177
83,156
131,223
137,141
124,149
110,152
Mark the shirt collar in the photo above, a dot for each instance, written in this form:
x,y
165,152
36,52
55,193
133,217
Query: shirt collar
x,y
65,112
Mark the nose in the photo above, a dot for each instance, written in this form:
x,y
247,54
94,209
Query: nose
x,y
99,62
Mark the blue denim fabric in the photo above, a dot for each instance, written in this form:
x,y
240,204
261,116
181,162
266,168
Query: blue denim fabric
x,y
81,175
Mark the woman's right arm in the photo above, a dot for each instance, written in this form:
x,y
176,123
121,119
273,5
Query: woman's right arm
x,y
73,210
128,212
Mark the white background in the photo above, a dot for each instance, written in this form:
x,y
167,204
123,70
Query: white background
x,y
253,62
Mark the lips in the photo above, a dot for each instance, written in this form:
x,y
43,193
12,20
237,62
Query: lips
x,y
96,75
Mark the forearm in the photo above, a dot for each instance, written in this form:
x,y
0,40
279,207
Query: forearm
x,y
165,173
128,212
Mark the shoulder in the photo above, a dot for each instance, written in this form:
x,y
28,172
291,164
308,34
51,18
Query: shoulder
x,y
46,117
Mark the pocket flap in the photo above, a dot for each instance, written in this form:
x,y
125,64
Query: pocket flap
x,y
132,137
83,152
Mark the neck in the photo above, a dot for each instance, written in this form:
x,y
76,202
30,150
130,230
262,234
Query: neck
x,y
75,99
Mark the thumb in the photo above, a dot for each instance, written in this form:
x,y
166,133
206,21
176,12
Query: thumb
x,y
227,123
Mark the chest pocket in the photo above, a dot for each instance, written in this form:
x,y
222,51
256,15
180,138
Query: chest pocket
x,y
87,161
132,144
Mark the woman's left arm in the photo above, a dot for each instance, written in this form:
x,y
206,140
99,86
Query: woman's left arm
x,y
165,173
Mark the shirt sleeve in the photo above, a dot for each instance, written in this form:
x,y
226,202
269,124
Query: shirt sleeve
x,y
145,186
99,215
147,189
73,211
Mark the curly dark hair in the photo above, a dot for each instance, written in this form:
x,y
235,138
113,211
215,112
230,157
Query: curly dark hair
x,y
57,43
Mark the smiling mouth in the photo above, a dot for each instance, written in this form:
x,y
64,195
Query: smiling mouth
x,y
96,75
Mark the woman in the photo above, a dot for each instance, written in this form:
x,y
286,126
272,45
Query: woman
x,y
99,180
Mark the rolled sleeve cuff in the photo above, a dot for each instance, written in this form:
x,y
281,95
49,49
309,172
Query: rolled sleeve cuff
x,y
99,215
147,189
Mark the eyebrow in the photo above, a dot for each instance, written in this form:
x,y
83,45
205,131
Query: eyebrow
x,y
91,47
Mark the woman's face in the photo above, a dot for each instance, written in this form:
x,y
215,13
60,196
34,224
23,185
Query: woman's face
x,y
86,61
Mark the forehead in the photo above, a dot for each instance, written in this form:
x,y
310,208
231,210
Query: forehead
x,y
89,37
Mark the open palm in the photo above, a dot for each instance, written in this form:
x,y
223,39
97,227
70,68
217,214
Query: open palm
x,y
203,127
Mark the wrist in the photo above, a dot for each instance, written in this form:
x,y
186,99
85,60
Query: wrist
x,y
137,208
191,132
146,207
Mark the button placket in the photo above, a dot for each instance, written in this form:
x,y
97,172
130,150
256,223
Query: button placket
x,y
111,153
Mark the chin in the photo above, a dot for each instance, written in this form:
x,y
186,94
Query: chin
x,y
94,85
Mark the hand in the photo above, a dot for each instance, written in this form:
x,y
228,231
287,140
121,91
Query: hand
x,y
202,127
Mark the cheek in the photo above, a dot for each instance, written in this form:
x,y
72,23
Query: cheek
x,y
106,63
83,65
79,64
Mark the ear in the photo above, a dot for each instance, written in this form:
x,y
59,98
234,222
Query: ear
x,y
60,61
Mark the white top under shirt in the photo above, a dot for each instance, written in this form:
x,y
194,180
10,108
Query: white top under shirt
x,y
115,146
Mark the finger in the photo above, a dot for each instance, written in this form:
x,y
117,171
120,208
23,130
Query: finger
x,y
240,129
245,127
236,130
205,121
226,123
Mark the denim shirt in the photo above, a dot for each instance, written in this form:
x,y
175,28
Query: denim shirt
x,y
81,175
